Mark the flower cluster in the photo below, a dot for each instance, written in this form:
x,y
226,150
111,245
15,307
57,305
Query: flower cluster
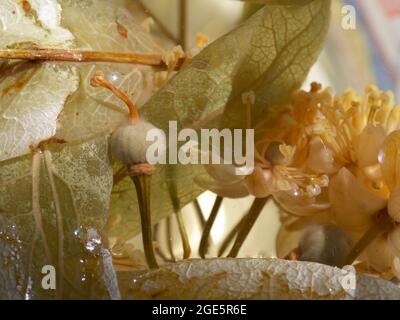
x,y
331,159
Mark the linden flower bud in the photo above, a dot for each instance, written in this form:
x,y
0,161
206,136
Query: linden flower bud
x,y
129,143
325,244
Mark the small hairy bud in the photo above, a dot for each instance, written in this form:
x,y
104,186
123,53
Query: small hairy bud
x,y
326,244
129,143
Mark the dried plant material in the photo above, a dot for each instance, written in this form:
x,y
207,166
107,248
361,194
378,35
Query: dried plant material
x,y
20,27
231,279
26,119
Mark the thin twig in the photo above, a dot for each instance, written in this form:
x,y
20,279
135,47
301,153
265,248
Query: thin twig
x,y
156,238
36,201
184,236
199,213
203,248
120,175
254,212
169,238
99,80
49,54
183,8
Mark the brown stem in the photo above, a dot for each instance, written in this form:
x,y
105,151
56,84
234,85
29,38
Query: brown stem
x,y
382,224
142,184
156,238
231,235
120,175
169,239
48,54
199,213
203,248
251,218
184,236
99,80
183,8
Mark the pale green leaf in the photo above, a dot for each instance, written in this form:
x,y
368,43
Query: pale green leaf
x,y
93,111
31,99
39,26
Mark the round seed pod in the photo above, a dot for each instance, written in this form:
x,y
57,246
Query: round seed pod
x,y
129,143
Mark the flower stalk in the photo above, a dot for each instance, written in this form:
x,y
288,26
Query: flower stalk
x,y
251,218
49,54
203,248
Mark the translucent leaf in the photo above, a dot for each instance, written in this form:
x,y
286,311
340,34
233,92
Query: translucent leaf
x,y
19,26
31,99
270,54
97,25
83,180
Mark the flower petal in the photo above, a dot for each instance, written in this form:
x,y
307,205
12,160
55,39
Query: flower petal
x,y
233,190
259,182
223,173
351,202
371,140
389,158
320,158
296,204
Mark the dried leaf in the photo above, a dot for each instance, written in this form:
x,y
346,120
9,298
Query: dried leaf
x,y
39,26
262,279
95,24
30,103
